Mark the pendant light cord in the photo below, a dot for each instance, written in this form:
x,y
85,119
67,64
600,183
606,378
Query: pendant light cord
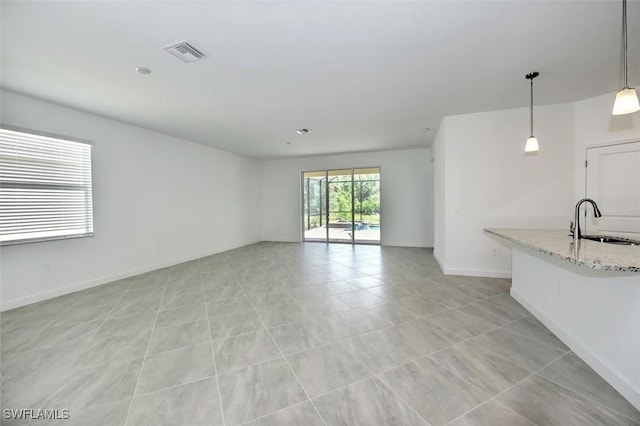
x,y
624,41
531,109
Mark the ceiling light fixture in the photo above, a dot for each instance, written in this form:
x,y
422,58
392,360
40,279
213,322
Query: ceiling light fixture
x,y
627,98
303,131
532,143
143,70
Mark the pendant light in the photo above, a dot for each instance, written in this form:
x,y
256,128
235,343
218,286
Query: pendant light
x,y
627,98
532,143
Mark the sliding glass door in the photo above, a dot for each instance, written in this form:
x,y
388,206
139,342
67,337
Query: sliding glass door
x,y
366,205
341,205
340,189
314,188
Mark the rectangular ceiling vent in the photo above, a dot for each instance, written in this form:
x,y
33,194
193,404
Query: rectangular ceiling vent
x,y
185,52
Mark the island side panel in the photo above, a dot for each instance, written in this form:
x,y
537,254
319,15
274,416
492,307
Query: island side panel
x,y
596,313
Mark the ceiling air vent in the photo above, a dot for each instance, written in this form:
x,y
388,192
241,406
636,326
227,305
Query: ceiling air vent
x,y
184,51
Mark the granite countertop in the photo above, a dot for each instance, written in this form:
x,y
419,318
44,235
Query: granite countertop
x,y
590,254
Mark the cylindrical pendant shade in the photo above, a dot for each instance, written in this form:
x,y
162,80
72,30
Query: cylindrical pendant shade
x,y
531,145
626,102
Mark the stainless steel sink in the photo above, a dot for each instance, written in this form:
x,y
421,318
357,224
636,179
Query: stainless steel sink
x,y
612,240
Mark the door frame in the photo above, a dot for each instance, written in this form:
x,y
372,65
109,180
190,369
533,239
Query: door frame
x,y
588,213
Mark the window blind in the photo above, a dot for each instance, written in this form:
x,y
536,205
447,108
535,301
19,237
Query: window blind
x,y
45,188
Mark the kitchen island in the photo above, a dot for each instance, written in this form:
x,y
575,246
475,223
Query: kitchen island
x,y
587,293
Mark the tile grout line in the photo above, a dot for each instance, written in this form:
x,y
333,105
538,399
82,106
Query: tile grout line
x,y
146,352
494,397
428,356
38,331
375,376
200,379
280,350
85,346
497,327
275,412
402,399
378,376
533,338
93,335
512,410
432,360
337,342
319,319
63,312
426,318
585,396
342,341
213,354
499,356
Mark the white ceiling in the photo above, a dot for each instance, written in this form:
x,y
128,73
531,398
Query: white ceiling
x,y
363,75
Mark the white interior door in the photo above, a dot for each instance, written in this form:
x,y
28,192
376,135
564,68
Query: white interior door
x,y
613,182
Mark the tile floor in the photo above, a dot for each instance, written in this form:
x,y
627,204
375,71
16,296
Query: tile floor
x,y
299,334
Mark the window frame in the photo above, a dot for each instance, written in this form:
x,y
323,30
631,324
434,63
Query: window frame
x,y
86,189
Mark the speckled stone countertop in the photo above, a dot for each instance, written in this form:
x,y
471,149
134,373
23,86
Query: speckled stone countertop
x,y
590,254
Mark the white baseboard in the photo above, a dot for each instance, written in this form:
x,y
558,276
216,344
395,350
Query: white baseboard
x,y
438,261
489,273
39,297
606,371
415,244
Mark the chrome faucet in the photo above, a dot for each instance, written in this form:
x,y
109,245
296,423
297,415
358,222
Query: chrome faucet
x,y
575,226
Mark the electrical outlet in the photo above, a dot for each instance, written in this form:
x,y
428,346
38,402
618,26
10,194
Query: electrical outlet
x,y
47,268
495,251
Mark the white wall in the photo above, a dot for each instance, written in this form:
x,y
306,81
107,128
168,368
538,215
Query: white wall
x,y
186,200
158,200
594,125
439,196
406,194
489,182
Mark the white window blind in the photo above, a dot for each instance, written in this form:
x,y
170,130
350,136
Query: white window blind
x,y
45,188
